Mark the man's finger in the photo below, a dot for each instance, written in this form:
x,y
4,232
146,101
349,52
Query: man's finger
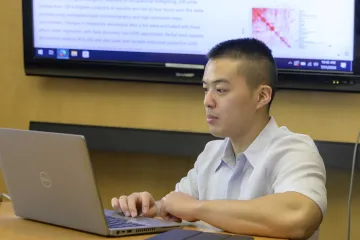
x,y
115,203
168,217
174,219
124,205
164,213
133,200
146,201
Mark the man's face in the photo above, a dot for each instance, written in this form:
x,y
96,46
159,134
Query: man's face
x,y
230,104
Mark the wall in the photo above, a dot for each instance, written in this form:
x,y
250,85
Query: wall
x,y
325,116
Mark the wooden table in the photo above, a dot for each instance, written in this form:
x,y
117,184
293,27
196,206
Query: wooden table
x,y
14,228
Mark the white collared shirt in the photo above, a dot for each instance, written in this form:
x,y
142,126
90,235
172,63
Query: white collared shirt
x,y
277,161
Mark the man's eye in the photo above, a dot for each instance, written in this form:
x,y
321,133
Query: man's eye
x,y
220,90
206,90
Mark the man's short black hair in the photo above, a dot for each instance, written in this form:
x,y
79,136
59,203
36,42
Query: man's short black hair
x,y
261,67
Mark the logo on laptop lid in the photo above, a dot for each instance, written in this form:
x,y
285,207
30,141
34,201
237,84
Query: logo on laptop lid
x,y
45,179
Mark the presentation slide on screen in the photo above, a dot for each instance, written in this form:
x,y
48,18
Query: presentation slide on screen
x,y
291,28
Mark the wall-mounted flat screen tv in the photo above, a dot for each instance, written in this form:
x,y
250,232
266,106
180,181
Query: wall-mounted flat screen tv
x,y
313,41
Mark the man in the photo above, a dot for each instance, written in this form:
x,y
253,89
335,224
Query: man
x,y
261,179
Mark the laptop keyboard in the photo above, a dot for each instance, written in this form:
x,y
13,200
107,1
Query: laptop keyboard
x,y
120,223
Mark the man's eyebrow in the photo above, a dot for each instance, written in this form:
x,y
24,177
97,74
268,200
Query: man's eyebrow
x,y
221,80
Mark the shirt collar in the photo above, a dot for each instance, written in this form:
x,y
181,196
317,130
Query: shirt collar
x,y
228,155
261,141
255,149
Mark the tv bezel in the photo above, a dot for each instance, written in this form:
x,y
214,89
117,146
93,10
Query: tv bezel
x,y
291,80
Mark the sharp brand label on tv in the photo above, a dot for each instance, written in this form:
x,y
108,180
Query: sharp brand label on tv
x,y
187,75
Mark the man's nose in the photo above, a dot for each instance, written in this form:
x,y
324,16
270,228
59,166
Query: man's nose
x,y
209,101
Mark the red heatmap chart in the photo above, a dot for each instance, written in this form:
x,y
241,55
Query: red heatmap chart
x,y
273,26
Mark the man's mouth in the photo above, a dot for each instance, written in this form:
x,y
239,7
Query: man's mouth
x,y
211,118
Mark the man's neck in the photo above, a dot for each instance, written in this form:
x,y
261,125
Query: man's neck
x,y
242,142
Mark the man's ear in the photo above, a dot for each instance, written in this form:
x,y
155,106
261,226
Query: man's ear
x,y
264,96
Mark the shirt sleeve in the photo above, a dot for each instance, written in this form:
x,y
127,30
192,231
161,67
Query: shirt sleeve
x,y
204,162
189,184
301,169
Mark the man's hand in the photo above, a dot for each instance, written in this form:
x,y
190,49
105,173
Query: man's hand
x,y
179,205
136,204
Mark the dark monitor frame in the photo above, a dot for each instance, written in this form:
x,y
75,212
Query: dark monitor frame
x,y
320,81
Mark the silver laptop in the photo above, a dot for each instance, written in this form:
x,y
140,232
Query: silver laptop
x,y
50,179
